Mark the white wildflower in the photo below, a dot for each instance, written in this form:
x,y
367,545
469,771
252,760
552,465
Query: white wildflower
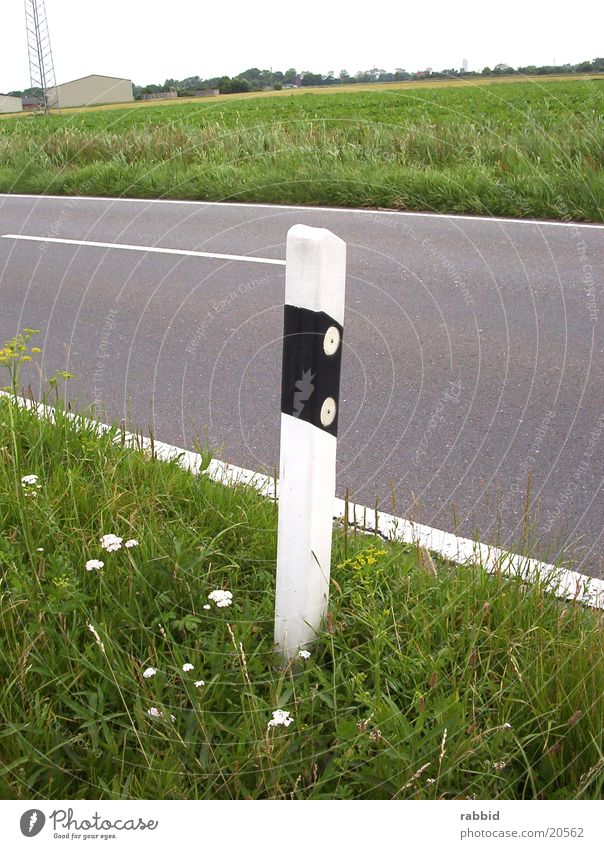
x,y
280,717
39,549
430,781
111,542
206,606
94,564
303,654
200,683
149,672
131,543
29,480
30,493
153,711
507,725
499,765
223,598
187,667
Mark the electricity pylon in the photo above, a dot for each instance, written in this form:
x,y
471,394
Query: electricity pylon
x,y
41,65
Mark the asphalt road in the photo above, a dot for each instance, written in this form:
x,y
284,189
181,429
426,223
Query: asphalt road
x,y
474,350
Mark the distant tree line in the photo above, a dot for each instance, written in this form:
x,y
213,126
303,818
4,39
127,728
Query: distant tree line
x,y
255,79
28,92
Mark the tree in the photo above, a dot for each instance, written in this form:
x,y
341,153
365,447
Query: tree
x,y
238,84
192,82
252,74
503,69
308,78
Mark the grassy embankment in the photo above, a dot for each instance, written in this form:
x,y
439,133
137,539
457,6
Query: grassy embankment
x,y
426,683
518,149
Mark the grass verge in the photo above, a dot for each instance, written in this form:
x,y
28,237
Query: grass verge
x,y
517,149
428,681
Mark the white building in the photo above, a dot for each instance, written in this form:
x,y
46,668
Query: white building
x,y
10,104
91,91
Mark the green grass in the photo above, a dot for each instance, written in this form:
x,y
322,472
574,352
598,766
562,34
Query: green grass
x,y
517,149
408,693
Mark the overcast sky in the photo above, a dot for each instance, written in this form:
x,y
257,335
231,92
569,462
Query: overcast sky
x,y
149,41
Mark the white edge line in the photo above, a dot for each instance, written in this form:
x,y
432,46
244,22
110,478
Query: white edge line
x,y
404,213
143,248
565,583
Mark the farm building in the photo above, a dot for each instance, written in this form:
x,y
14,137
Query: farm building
x,y
10,104
173,94
31,102
160,95
91,91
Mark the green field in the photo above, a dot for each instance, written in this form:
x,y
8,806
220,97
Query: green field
x,y
518,149
428,681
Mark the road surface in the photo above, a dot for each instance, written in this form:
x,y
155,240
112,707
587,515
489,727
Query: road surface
x,y
473,359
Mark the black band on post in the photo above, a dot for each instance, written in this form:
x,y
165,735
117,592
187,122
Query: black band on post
x,y
311,375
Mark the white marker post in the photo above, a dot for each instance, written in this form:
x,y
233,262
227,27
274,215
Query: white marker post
x,y
315,277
